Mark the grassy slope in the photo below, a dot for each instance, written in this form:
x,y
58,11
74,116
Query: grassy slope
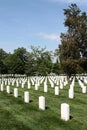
x,y
17,115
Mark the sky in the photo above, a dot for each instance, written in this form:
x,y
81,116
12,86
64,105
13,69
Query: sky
x,y
33,22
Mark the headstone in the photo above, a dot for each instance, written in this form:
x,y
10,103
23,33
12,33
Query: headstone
x,y
84,89
36,86
56,90
15,92
71,93
52,85
2,87
45,87
13,83
61,85
22,85
65,111
17,83
26,97
8,89
42,102
29,85
8,82
5,82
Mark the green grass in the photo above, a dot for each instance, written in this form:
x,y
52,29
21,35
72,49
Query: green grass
x,y
17,115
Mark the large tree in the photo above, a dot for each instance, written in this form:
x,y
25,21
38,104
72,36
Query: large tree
x,y
73,47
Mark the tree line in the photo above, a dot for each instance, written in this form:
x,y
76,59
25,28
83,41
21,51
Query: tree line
x,y
36,62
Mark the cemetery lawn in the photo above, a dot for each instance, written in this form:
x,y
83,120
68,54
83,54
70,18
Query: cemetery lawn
x,y
17,115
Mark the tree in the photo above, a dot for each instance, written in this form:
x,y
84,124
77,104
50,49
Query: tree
x,y
3,56
16,62
73,47
39,62
44,63
20,58
9,64
30,67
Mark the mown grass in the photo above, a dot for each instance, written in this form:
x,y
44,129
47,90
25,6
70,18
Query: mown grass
x,y
17,115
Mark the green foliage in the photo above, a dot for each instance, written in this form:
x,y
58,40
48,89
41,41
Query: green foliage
x,y
16,62
73,48
3,56
40,62
36,62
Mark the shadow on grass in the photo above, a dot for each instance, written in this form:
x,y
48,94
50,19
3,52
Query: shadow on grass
x,y
71,117
19,96
31,101
46,107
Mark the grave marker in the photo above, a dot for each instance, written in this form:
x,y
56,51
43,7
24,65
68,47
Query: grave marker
x,y
65,111
42,102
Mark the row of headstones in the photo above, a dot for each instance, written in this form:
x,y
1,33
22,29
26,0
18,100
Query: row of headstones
x,y
82,84
65,112
56,89
22,81
37,84
72,85
42,103
8,90
58,80
71,90
45,87
82,78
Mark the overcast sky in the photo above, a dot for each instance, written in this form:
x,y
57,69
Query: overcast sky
x,y
33,22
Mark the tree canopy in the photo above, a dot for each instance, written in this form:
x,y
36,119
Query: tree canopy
x,y
73,47
36,62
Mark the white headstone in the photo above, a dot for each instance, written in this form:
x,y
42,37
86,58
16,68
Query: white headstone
x,y
26,97
84,89
36,86
42,102
17,83
8,82
45,88
13,83
71,93
8,89
29,85
61,85
5,82
56,90
15,92
2,87
65,111
22,85
52,84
